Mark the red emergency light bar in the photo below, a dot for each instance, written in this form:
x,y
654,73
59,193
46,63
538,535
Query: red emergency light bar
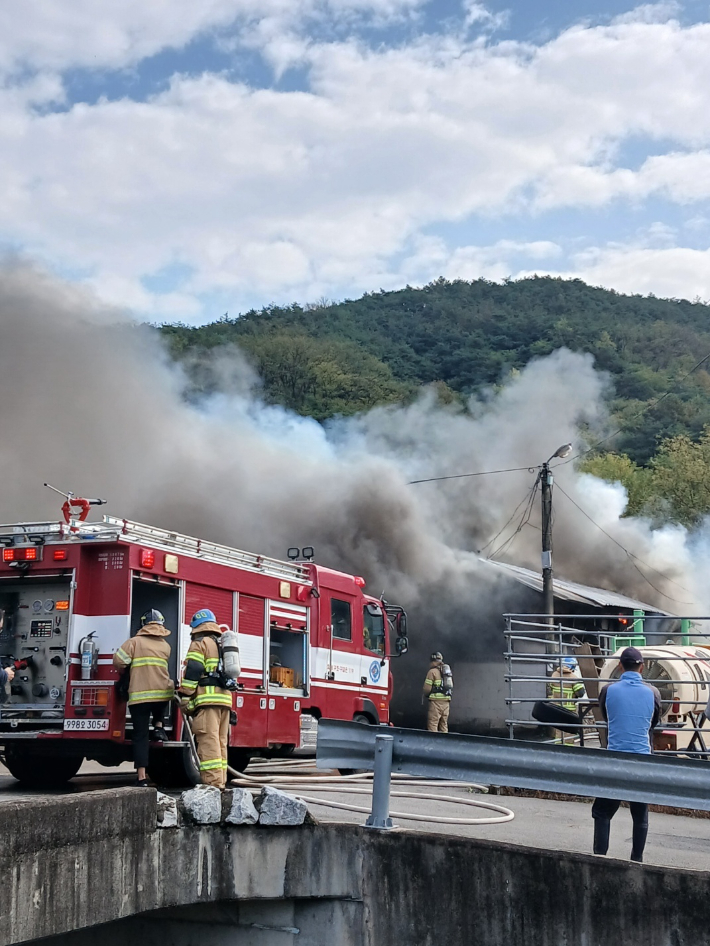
x,y
28,553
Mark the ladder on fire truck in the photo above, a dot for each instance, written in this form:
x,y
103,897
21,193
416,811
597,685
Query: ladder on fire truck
x,y
115,529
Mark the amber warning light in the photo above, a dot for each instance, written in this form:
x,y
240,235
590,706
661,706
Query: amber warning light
x,y
30,553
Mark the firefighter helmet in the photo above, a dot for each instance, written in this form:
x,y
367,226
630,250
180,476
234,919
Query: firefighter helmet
x,y
201,617
152,617
569,663
436,656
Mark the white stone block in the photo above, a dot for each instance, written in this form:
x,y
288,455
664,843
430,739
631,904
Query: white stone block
x,y
167,811
277,808
203,804
242,810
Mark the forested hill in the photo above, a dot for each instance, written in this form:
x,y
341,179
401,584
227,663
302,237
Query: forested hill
x,y
344,357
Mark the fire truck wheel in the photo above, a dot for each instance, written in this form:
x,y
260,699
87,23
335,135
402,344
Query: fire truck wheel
x,y
365,720
37,771
238,759
173,768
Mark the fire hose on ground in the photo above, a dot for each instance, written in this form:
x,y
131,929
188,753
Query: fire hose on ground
x,y
341,784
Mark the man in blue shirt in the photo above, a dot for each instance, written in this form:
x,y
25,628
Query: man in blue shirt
x,y
631,708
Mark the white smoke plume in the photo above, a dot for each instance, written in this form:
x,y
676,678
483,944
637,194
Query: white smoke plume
x,y
91,402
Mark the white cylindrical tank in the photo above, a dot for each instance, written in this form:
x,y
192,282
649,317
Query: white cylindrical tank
x,y
680,672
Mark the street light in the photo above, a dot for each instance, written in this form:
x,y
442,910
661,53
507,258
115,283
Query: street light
x,y
546,481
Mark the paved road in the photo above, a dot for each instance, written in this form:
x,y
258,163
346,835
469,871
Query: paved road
x,y
673,841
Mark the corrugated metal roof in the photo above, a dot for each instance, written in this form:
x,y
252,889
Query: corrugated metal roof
x,y
572,591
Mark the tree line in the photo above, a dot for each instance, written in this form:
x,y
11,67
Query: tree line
x,y
345,357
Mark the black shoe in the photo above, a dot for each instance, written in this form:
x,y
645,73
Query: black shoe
x,y
142,782
159,734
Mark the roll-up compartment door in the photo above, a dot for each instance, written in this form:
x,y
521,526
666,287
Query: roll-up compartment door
x,y
217,600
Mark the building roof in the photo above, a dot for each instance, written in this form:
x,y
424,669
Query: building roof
x,y
572,591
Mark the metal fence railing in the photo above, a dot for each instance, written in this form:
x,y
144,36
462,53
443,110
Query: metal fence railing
x,y
540,701
570,770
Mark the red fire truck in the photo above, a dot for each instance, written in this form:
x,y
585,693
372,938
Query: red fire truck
x,y
312,643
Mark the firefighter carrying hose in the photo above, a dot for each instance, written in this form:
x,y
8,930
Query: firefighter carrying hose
x,y
438,688
208,702
150,689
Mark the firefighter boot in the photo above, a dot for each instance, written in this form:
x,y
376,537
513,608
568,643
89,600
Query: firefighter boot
x,y
602,827
638,842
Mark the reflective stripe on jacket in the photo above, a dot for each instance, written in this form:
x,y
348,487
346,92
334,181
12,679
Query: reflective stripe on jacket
x,y
147,655
202,658
567,688
434,684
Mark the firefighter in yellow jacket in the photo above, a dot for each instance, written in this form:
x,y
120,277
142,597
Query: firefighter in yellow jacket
x,y
209,703
150,688
438,696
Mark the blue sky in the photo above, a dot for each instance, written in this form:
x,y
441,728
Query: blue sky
x,y
183,160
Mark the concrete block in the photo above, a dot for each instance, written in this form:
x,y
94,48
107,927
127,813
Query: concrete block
x,y
241,808
202,805
167,811
277,808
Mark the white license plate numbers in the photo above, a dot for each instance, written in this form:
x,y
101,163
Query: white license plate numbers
x,y
85,725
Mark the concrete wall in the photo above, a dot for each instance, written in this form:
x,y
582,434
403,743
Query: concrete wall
x,y
96,858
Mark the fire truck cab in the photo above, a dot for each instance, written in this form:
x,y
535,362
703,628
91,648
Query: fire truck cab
x,y
312,644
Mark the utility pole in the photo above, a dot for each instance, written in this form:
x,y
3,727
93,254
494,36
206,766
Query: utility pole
x,y
546,481
548,599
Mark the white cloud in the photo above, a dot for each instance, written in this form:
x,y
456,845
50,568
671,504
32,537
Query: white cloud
x,y
668,271
99,34
301,194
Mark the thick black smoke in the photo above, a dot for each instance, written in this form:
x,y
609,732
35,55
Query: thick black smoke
x,y
91,402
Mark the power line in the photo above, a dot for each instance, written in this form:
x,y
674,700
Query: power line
x,y
524,520
632,558
525,499
458,476
646,407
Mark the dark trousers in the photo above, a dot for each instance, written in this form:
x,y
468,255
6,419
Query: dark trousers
x,y
604,809
141,715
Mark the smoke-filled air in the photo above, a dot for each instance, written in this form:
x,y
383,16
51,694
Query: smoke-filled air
x,y
92,402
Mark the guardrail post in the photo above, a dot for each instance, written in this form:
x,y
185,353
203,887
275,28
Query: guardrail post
x,y
380,817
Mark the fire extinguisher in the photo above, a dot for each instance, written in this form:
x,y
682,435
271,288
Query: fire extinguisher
x,y
89,652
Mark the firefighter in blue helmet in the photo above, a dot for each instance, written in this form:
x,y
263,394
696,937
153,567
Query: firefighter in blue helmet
x,y
565,686
209,703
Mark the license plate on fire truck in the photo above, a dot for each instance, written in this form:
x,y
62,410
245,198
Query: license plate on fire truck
x,y
84,725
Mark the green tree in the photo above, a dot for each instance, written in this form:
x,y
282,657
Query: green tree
x,y
680,478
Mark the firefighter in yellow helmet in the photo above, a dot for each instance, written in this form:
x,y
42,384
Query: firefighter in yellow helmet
x,y
209,703
438,695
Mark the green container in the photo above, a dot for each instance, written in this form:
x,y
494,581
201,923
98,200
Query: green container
x,y
685,631
630,641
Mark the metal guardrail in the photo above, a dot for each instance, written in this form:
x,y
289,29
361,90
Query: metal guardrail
x,y
676,660
569,770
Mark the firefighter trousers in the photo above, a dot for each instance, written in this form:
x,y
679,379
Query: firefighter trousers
x,y
438,715
210,726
